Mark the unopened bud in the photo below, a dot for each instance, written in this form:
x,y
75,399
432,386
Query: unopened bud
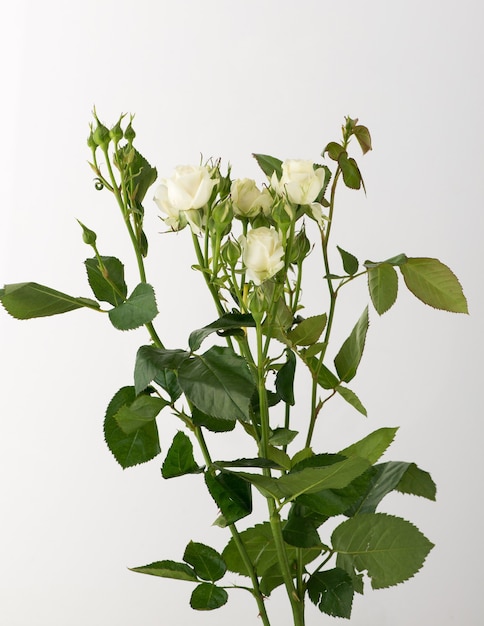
x,y
300,248
222,215
231,252
116,132
88,235
129,133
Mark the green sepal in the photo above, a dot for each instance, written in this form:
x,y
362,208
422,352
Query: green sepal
x,y
269,164
179,459
218,382
434,284
332,592
28,300
140,308
350,262
232,495
207,562
389,548
168,569
108,284
349,356
207,597
140,446
228,322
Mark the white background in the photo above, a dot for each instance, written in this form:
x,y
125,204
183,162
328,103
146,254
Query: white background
x,y
227,79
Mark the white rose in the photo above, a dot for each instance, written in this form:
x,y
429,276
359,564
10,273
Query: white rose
x,y
262,253
300,181
247,199
190,187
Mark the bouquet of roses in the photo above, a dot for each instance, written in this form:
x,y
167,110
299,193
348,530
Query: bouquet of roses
x,y
251,244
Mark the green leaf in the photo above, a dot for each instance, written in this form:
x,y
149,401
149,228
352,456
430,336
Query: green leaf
x,y
301,532
27,300
232,495
142,174
168,381
389,548
332,592
227,322
261,549
314,479
350,262
249,462
362,134
269,164
140,446
435,284
179,460
385,478
351,174
218,383
168,569
285,379
308,331
334,150
271,579
207,562
351,398
108,285
139,413
349,356
383,286
151,362
206,597
372,446
138,309
214,424
282,436
417,482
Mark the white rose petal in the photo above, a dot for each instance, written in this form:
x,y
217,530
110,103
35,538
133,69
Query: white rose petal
x,y
262,253
300,181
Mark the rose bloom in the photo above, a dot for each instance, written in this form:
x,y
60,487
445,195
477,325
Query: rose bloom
x,y
262,253
248,200
299,180
190,187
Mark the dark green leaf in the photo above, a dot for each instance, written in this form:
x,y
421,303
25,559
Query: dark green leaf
x,y
108,283
389,548
138,309
142,174
334,150
435,284
301,532
349,356
214,424
168,381
351,398
262,552
417,482
206,597
271,579
362,134
207,562
168,569
332,591
385,478
282,436
308,331
252,462
218,383
140,446
372,446
383,286
27,300
179,460
229,321
232,495
151,362
285,379
139,413
269,164
350,262
351,173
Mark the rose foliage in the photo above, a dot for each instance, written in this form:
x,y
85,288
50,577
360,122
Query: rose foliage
x,y
236,374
